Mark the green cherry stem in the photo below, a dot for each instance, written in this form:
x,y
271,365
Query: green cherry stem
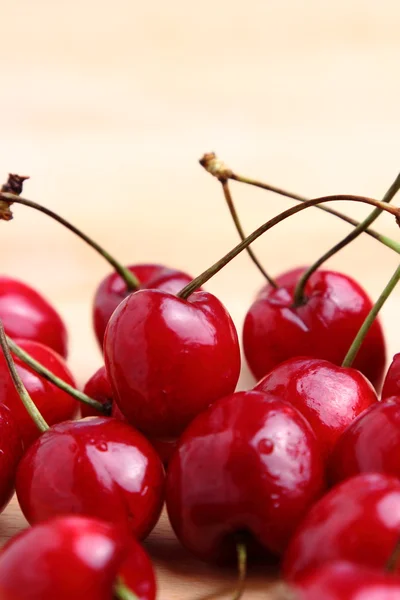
x,y
21,389
49,376
241,553
122,592
299,293
358,340
210,272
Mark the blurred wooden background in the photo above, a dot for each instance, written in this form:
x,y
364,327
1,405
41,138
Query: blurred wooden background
x,y
109,105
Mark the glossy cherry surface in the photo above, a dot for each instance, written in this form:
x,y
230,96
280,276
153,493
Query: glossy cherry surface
x,y
26,314
98,467
249,465
169,358
54,404
330,397
391,385
370,444
11,449
324,327
357,521
112,290
345,581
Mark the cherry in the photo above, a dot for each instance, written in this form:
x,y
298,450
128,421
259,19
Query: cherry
x,y
324,327
357,521
98,466
168,358
73,557
247,468
11,450
329,397
113,289
53,403
391,385
371,443
26,314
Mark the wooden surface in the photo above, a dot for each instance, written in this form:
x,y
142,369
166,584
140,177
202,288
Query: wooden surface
x,y
109,105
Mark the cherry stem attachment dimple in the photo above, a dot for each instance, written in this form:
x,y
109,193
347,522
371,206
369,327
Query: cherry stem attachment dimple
x,y
241,553
122,592
19,385
210,272
358,340
57,381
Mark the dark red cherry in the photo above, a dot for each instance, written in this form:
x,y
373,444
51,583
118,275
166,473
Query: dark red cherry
x,y
330,397
26,314
73,557
169,358
371,443
112,290
250,466
11,449
98,467
345,581
357,521
324,327
54,404
391,385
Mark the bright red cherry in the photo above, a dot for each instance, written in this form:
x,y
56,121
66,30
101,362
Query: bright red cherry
x,y
98,467
54,404
11,450
26,314
248,466
357,521
391,385
112,290
345,581
73,557
324,327
371,443
330,397
169,358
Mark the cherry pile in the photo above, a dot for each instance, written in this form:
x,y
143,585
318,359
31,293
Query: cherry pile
x,y
302,471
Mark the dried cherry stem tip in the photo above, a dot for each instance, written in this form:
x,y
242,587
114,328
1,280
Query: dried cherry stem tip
x,y
122,592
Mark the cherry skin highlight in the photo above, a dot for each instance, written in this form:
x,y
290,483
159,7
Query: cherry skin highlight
x,y
249,465
328,396
11,450
112,290
54,404
391,385
26,314
357,521
168,358
98,467
324,327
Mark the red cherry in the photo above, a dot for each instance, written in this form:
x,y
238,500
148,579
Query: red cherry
x,y
26,314
250,463
54,404
72,557
371,443
11,450
391,385
330,397
169,358
112,290
357,521
97,467
324,327
345,581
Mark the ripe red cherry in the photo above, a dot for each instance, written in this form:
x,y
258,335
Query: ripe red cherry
x,y
345,581
54,404
249,465
98,467
112,290
391,385
330,397
357,521
11,450
324,327
73,557
169,358
26,314
371,443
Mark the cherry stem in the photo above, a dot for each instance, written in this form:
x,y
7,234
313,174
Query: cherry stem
x,y
358,340
49,376
19,386
131,281
393,559
299,293
122,592
241,552
210,272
